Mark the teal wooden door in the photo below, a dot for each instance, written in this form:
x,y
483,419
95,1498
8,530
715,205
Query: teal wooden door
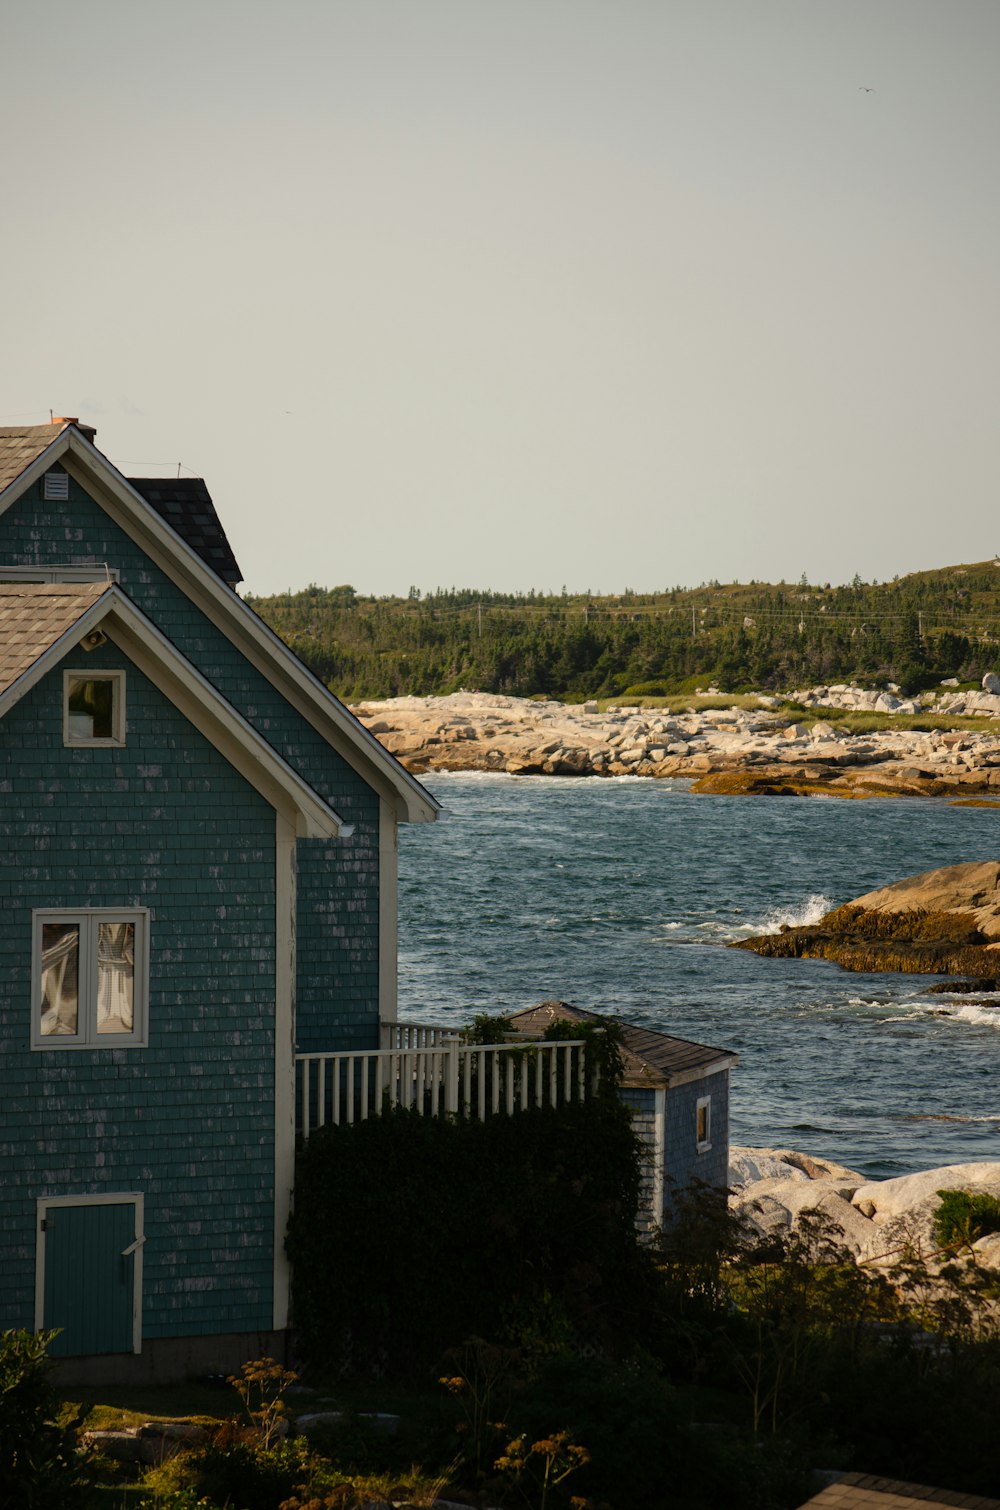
x,y
89,1278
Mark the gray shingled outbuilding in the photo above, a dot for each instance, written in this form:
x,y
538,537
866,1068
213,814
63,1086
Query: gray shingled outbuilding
x,y
678,1092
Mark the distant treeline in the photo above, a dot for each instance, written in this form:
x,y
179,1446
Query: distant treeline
x,y
913,631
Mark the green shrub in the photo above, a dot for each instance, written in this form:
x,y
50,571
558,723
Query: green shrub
x,y
965,1215
38,1463
237,1469
410,1233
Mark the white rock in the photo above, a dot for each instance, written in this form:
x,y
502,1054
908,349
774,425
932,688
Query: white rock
x,y
991,683
895,1199
988,1250
749,1165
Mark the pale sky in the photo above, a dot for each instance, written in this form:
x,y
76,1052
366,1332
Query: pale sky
x,y
520,293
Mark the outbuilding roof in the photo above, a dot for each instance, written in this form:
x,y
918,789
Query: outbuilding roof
x,y
865,1491
650,1058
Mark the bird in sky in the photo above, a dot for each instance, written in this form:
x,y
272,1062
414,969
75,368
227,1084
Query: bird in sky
x,y
863,89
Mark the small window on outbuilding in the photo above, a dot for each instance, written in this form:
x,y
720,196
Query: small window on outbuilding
x,y
94,708
703,1127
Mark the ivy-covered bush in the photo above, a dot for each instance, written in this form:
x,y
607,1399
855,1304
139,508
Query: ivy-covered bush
x,y
412,1233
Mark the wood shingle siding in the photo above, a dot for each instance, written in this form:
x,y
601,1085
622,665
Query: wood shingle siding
x,y
338,995
188,1119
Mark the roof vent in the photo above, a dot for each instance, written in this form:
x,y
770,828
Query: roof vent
x,y
56,486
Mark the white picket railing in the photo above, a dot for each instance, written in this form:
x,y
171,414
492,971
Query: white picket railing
x,y
449,1078
414,1035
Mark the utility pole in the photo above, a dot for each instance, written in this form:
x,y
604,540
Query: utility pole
x,y
694,627
479,606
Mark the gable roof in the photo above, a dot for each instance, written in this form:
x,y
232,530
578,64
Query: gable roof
x,y
20,445
41,621
186,505
32,621
234,618
649,1058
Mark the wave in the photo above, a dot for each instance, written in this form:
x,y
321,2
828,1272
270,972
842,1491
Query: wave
x,y
945,1117
729,925
809,911
981,1016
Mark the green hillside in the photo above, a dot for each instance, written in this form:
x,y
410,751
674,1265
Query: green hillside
x,y
736,636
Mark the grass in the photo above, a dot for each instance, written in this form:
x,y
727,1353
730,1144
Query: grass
x,y
686,702
864,722
110,1409
846,721
376,1463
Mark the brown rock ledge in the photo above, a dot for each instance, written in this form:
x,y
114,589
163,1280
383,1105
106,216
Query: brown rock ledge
x,y
941,922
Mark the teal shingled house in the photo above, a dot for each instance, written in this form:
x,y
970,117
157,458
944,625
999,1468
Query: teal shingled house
x,y
198,881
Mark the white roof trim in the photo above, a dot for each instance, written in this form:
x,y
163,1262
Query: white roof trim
x,y
182,683
342,731
35,469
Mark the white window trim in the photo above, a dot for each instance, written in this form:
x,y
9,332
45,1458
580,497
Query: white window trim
x,y
704,1105
44,1204
117,739
99,572
88,1037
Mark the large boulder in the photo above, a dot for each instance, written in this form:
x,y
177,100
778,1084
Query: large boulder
x,y
902,1210
970,888
876,1220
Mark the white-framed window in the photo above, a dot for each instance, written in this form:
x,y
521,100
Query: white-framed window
x,y
93,707
703,1124
89,978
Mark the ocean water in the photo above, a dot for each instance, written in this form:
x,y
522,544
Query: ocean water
x,y
620,896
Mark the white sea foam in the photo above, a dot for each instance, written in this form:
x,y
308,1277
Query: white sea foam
x,y
982,1016
809,911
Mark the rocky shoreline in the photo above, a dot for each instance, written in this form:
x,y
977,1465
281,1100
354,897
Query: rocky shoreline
x,y
766,750
878,1220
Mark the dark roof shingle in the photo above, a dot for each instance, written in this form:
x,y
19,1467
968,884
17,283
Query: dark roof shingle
x,y
650,1058
186,505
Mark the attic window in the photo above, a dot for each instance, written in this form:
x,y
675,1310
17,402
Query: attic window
x,y
56,486
93,708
